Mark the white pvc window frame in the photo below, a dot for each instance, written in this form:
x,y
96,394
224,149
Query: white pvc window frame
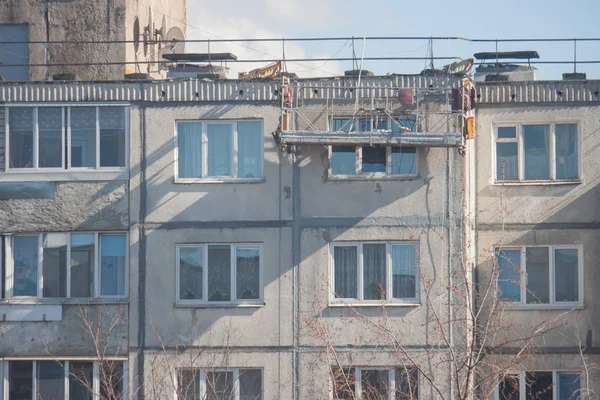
x,y
359,174
66,137
333,300
66,362
233,275
521,151
203,386
234,156
358,382
552,276
523,384
9,262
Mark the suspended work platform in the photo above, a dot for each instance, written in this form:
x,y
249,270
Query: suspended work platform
x,y
416,111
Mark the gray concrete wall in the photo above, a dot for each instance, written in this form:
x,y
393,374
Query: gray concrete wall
x,y
90,20
543,214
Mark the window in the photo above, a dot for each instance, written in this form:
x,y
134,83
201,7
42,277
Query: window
x,y
375,383
540,274
374,271
217,384
14,53
219,150
543,152
67,265
67,138
373,161
540,385
406,123
63,379
219,273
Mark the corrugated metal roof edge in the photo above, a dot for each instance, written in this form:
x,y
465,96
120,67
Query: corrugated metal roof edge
x,y
555,91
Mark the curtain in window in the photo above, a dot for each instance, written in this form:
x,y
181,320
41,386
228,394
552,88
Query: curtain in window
x,y
566,274
219,273
220,149
112,136
83,137
21,137
346,269
374,277
112,265
404,271
537,151
249,149
507,161
191,273
566,151
189,149
509,274
50,148
248,273
538,271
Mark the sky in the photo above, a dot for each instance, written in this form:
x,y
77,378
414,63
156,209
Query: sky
x,y
337,18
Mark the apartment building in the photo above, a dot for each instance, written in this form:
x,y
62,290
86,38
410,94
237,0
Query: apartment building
x,y
535,175
170,240
87,41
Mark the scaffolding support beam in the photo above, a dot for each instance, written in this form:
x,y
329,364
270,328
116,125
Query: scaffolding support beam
x,y
416,139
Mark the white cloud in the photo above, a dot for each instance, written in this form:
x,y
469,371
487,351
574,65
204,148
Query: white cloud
x,y
259,19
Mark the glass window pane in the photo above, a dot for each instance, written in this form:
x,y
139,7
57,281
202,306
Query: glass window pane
x,y
407,384
219,385
83,137
20,380
536,142
343,125
81,380
507,161
112,265
83,256
191,270
373,159
404,161
569,386
539,385
249,149
365,124
538,275
111,380
374,276
21,137
220,149
404,271
112,136
54,269
507,132
509,274
566,272
50,380
219,273
248,273
375,384
567,160
188,384
50,147
189,149
344,382
25,256
250,384
509,388
346,272
343,160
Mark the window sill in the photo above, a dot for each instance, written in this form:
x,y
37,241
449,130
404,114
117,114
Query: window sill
x,y
542,307
219,305
380,304
369,177
63,176
538,183
73,301
219,180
